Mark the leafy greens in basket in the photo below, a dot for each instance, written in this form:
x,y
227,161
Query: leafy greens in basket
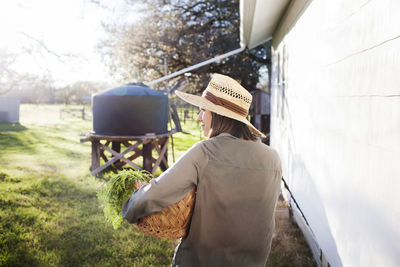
x,y
118,189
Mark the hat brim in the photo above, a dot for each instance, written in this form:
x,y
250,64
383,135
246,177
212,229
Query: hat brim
x,y
202,102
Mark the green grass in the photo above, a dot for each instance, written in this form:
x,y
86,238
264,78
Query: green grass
x,y
49,211
191,133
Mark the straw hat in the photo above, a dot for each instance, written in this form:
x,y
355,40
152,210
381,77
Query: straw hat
x,y
226,97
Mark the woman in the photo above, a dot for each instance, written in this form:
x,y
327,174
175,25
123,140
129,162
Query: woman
x,y
237,181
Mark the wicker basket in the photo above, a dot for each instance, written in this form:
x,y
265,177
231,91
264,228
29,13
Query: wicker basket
x,y
172,222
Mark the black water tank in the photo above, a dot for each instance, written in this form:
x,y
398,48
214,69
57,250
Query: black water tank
x,y
129,110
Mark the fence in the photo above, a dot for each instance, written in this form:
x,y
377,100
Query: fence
x,y
79,113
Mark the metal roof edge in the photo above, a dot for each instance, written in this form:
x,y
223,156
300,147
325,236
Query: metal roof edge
x,y
293,12
246,11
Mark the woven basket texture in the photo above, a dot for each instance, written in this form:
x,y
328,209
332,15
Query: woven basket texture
x,y
171,222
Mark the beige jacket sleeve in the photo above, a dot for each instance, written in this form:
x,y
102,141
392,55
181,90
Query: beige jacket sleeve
x,y
168,188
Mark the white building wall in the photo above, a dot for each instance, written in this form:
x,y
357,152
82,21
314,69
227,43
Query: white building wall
x,y
336,124
9,110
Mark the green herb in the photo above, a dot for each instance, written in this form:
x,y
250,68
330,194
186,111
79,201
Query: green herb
x,y
117,190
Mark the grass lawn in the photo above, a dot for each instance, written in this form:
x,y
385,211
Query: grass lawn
x,y
49,211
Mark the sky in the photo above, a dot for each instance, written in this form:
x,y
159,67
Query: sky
x,y
58,38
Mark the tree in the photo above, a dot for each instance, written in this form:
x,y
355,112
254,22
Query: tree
x,y
30,88
8,77
80,92
183,33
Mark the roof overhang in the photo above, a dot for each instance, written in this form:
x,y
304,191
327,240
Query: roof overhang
x,y
259,19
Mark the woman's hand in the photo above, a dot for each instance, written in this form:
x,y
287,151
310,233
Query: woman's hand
x,y
139,184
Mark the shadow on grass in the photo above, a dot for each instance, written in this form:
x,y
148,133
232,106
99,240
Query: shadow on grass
x,y
12,127
289,247
53,218
31,142
56,222
24,140
14,250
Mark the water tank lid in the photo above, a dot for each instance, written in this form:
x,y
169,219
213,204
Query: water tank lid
x,y
131,89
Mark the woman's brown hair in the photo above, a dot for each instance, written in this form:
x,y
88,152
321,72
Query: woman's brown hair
x,y
221,124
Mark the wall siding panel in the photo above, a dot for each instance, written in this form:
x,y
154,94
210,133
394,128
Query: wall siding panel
x,y
336,124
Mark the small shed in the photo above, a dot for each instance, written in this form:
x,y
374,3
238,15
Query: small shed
x,y
9,110
260,111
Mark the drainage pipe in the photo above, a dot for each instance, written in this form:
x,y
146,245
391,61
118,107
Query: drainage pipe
x,y
199,65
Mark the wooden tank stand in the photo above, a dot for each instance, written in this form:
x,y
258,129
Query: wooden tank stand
x,y
112,144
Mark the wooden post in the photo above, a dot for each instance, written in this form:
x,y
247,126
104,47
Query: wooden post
x,y
162,150
114,159
95,155
132,143
147,156
164,166
116,146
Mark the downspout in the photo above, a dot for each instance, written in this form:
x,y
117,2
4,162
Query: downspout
x,y
199,65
